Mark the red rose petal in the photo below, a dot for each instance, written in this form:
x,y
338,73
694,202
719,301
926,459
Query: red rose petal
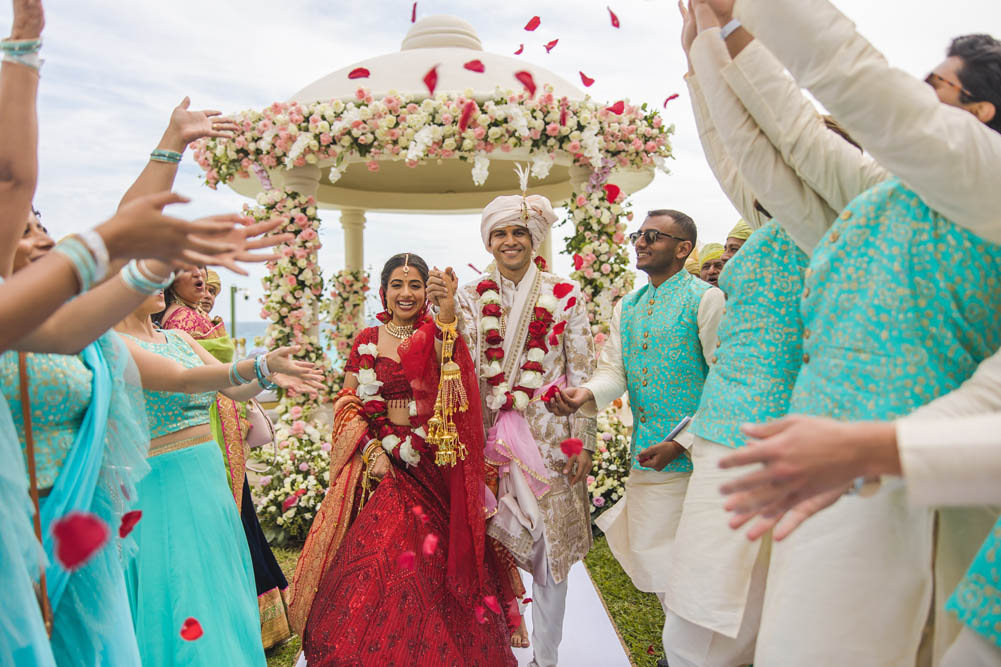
x,y
560,290
551,45
430,544
78,536
521,49
571,303
431,79
670,97
359,73
289,502
617,108
526,600
563,112
419,513
481,614
572,446
492,604
586,80
612,192
615,19
413,14
405,560
526,80
475,66
540,262
533,23
467,113
650,650
578,262
191,630
129,521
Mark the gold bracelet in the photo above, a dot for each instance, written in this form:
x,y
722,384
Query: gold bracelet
x,y
450,328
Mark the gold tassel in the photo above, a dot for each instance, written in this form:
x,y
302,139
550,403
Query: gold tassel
x,y
451,398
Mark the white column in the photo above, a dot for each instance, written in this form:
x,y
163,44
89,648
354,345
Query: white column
x,y
305,180
353,223
546,249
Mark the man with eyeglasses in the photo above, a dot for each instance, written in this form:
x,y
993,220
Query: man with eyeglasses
x,y
661,344
887,325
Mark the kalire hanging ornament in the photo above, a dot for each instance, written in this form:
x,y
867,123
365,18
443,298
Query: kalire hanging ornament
x,y
452,398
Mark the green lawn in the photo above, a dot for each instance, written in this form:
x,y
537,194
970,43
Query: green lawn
x,y
637,616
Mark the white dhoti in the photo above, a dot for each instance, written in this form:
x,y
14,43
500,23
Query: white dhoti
x,y
716,589
851,586
640,528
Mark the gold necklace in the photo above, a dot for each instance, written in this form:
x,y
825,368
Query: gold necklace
x,y
401,331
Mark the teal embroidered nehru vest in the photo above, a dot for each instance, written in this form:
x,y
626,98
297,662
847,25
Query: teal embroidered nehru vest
x,y
977,600
168,412
760,345
900,305
663,359
60,392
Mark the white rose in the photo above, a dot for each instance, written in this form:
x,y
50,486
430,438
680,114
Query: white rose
x,y
369,348
497,398
488,323
413,409
535,354
493,369
549,302
530,379
390,442
409,455
366,376
420,432
520,401
368,390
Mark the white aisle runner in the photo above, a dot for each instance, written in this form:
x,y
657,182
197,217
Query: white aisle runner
x,y
589,638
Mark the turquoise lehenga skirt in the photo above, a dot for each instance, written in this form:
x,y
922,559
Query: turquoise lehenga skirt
x,y
193,562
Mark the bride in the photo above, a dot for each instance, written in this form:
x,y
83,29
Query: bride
x,y
396,569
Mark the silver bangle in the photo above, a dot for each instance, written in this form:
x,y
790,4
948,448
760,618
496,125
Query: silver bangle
x,y
98,249
729,28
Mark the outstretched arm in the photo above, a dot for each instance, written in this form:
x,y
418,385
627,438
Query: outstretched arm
x,y
946,154
19,138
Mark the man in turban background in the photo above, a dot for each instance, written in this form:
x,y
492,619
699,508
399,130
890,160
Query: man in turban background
x,y
711,263
529,331
735,239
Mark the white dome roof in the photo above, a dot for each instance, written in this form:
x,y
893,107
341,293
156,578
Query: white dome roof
x,y
445,41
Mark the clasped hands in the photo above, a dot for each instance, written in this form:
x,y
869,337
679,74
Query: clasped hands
x,y
441,292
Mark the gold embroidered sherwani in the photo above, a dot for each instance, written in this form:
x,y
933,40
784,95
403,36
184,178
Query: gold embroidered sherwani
x,y
565,510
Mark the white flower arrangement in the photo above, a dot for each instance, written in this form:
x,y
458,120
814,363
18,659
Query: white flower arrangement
x,y
611,461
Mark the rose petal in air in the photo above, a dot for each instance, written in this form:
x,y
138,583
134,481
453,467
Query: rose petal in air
x,y
481,614
560,290
191,630
475,66
78,536
526,600
615,19
467,113
129,521
492,604
431,79
617,108
521,49
669,98
533,23
551,45
405,560
413,13
612,192
430,544
586,80
359,73
572,446
526,80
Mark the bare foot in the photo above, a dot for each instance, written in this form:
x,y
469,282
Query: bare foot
x,y
519,638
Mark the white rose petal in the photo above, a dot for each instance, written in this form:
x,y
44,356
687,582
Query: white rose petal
x,y
493,369
548,302
369,348
413,409
409,455
530,379
366,375
390,442
488,323
520,400
490,296
535,354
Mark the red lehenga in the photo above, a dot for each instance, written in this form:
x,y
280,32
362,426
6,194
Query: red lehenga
x,y
370,594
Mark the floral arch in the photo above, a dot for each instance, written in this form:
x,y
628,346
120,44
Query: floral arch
x,y
332,134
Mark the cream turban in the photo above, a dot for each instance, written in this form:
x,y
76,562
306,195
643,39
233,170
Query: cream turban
x,y
507,210
741,231
692,263
710,252
212,278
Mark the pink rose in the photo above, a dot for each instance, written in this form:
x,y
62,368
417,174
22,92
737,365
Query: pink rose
x,y
574,147
581,200
599,502
303,467
553,129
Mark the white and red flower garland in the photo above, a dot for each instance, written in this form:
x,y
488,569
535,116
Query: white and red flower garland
x,y
543,333
376,410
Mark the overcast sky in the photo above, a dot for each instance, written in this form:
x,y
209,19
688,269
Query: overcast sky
x,y
115,68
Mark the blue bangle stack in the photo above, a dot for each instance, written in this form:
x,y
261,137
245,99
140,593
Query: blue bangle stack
x,y
235,378
135,279
83,261
161,155
262,378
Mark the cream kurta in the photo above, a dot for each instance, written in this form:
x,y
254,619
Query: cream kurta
x,y
565,509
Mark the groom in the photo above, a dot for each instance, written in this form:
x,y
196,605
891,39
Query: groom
x,y
528,331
